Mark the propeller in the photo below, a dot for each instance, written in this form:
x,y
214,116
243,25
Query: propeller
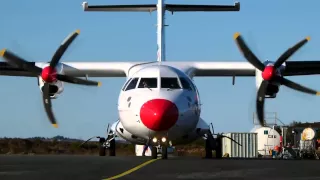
x,y
48,74
271,73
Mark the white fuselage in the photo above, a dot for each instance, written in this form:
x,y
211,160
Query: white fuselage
x,y
168,106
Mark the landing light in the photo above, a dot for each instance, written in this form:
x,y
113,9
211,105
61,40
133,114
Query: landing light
x,y
163,139
154,139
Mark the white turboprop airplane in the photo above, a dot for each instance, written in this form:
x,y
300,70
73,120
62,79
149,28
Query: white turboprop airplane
x,y
159,104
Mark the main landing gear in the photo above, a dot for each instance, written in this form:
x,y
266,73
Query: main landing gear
x,y
214,144
108,143
162,145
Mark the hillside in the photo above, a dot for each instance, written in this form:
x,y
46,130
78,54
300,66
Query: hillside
x,y
61,145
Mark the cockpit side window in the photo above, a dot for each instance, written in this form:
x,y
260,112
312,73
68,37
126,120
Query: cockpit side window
x,y
170,82
185,84
132,84
125,85
148,83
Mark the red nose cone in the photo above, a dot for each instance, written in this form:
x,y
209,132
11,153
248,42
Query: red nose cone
x,y
159,114
267,74
49,74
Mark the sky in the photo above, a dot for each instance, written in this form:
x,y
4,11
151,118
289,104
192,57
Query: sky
x,y
35,29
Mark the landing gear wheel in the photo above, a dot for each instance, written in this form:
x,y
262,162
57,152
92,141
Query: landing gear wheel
x,y
164,152
102,150
154,152
219,148
208,150
209,146
218,152
112,148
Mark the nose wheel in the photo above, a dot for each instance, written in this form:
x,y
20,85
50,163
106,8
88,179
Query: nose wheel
x,y
163,146
164,152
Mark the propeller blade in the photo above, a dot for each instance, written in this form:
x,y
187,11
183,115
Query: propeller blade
x,y
248,54
299,87
260,101
63,47
48,105
75,80
285,56
15,60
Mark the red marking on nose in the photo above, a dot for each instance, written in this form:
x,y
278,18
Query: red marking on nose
x,y
268,73
49,74
159,114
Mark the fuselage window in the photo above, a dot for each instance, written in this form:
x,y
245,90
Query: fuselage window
x,y
132,84
125,85
148,83
170,82
185,84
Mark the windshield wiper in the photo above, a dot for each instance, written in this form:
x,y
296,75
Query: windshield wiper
x,y
146,86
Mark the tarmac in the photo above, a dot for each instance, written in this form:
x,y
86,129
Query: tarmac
x,y
78,167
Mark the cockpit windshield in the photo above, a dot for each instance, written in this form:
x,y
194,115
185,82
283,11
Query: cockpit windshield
x,y
148,83
132,84
166,82
170,82
185,84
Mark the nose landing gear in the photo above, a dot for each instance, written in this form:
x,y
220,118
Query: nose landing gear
x,y
162,146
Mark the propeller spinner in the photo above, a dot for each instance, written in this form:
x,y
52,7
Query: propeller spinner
x,y
48,74
270,73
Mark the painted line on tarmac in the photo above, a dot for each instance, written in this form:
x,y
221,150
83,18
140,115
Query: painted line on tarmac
x,y
132,170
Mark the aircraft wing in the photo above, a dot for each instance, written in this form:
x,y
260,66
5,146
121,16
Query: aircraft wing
x,y
220,69
77,69
197,69
183,8
293,68
152,7
120,8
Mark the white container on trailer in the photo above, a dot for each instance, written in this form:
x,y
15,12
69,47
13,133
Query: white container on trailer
x,y
268,138
249,142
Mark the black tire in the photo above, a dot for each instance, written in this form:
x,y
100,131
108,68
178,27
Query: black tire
x,y
219,148
112,148
154,153
208,149
102,150
219,153
164,152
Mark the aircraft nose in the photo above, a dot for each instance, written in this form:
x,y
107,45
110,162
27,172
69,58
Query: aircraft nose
x,y
159,114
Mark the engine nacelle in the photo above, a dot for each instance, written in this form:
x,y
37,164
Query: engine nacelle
x,y
55,88
124,134
273,88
